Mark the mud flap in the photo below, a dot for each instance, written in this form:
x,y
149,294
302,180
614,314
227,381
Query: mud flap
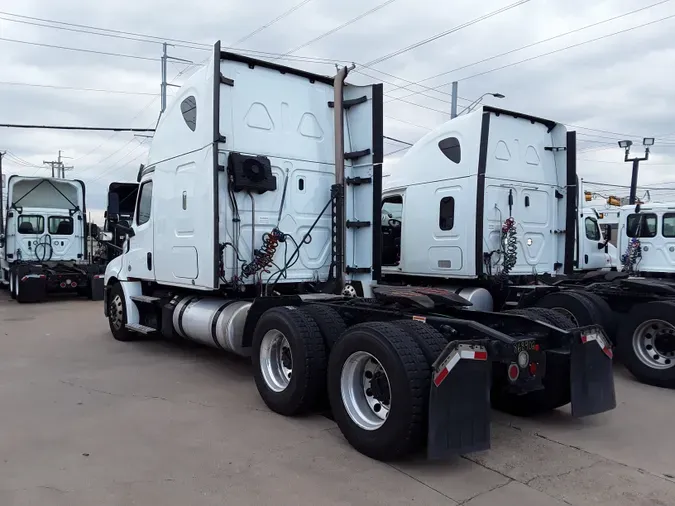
x,y
591,375
459,402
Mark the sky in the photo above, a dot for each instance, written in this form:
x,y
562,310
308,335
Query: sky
x,y
610,81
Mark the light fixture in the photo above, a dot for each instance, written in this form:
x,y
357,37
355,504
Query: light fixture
x,y
648,141
625,144
498,95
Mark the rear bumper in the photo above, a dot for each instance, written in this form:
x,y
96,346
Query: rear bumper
x,y
459,400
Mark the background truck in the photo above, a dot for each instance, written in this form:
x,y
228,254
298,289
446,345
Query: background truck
x,y
256,231
488,205
44,247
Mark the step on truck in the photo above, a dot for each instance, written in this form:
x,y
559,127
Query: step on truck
x,y
44,246
488,205
256,231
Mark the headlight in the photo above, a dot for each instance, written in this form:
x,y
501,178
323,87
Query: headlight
x,y
523,359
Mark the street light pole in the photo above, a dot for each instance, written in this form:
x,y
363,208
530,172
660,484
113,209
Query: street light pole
x,y
473,104
647,142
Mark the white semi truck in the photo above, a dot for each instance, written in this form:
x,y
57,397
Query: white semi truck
x,y
44,245
488,205
256,231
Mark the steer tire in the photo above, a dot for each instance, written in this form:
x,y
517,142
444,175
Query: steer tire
x,y
308,354
431,341
329,321
408,375
628,344
12,283
573,304
118,316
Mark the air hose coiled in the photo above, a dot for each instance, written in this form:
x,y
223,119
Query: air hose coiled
x,y
632,255
509,241
264,257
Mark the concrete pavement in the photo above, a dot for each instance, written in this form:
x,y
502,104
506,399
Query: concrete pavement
x,y
86,420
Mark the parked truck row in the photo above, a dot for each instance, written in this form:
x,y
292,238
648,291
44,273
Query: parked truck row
x,y
258,229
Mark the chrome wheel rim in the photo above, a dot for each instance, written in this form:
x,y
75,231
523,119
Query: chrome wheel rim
x,y
365,390
276,360
654,344
117,312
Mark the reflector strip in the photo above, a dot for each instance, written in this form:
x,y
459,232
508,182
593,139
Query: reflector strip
x,y
422,319
465,352
602,342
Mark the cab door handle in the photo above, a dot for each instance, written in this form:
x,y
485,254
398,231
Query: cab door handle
x,y
149,258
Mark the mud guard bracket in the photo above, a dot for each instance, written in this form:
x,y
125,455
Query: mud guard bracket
x,y
459,402
591,375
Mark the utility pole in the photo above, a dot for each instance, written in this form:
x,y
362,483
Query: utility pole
x,y
647,142
165,58
52,164
453,105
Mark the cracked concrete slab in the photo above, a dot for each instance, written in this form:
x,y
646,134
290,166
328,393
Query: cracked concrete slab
x,y
608,484
460,479
514,494
523,456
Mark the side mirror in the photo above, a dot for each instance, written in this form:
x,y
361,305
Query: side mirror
x,y
105,236
127,230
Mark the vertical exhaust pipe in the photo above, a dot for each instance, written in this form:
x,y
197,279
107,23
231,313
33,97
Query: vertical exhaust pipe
x,y
339,193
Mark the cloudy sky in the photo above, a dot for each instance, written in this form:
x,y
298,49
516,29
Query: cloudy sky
x,y
614,83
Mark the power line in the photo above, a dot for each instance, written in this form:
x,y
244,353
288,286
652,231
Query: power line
x,y
270,23
70,88
60,127
532,45
79,49
340,27
397,140
110,35
408,123
397,151
567,47
447,32
120,32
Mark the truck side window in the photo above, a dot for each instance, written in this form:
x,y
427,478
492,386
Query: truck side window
x,y
446,217
189,109
592,230
451,149
29,224
668,229
641,225
60,225
144,203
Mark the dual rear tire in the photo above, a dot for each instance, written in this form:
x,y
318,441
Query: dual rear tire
x,y
376,376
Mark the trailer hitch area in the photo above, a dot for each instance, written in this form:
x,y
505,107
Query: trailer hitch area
x,y
459,401
591,375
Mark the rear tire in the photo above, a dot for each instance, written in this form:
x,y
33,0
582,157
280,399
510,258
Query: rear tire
x,y
117,316
648,349
574,306
378,386
431,341
289,360
605,312
550,316
329,321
